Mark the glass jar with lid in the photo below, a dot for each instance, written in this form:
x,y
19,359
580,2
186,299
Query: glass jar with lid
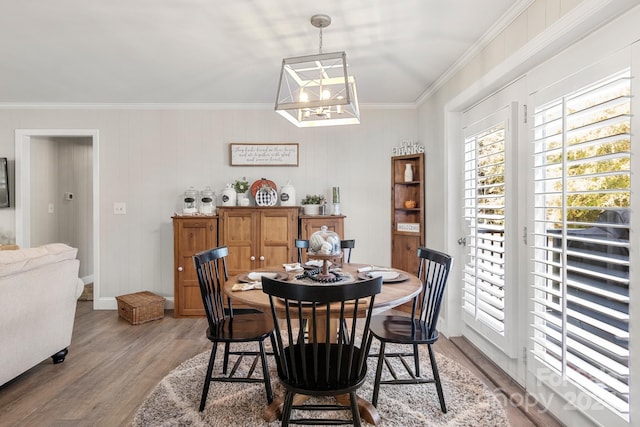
x,y
207,201
190,202
324,242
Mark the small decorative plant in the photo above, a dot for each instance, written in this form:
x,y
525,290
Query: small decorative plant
x,y
313,199
241,185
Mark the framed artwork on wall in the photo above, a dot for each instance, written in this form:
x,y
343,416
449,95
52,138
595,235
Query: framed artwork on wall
x,y
285,154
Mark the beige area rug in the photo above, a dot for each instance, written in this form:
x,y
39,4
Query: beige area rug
x,y
175,401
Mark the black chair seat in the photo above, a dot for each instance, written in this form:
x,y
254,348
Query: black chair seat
x,y
245,327
323,385
402,330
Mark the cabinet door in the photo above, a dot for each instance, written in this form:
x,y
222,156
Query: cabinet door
x,y
333,223
278,230
238,232
191,235
404,253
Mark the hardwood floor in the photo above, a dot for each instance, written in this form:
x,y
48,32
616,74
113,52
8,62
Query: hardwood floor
x,y
113,365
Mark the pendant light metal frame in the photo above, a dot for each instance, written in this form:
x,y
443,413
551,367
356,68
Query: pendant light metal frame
x,y
317,90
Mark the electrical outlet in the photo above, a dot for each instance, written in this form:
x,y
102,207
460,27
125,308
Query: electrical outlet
x,y
51,208
119,208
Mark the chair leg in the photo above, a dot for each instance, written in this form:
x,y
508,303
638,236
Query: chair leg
x,y
436,378
416,359
354,409
225,362
287,407
265,371
376,384
207,379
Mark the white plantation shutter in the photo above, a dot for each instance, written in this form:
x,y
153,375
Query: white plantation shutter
x,y
582,190
483,292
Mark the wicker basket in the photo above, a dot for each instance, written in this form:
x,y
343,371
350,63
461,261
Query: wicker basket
x,y
140,307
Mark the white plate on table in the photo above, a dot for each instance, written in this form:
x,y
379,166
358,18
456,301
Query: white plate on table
x,y
391,276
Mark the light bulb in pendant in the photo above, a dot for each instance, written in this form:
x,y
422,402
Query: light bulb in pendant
x,y
339,107
304,97
326,94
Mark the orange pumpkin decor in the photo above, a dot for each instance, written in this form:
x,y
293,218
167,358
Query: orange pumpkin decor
x,y
410,204
261,183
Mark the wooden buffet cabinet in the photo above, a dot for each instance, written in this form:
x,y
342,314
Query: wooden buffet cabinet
x,y
407,227
257,237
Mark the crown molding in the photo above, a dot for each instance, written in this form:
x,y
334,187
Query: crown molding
x,y
563,27
174,106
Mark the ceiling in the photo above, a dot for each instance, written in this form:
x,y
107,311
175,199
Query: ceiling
x,y
207,51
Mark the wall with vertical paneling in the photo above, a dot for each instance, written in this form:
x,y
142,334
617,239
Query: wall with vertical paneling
x,y
148,157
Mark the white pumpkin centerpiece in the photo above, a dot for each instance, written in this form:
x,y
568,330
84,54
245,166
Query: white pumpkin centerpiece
x,y
324,242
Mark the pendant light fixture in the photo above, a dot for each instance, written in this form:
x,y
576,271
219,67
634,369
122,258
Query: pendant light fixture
x,y
317,90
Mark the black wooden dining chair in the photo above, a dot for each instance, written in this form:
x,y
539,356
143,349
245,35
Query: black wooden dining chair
x,y
300,245
228,327
315,365
418,329
347,247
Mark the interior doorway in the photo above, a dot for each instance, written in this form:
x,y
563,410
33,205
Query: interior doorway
x,y
57,193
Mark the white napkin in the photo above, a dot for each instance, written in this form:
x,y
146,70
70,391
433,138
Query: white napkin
x,y
373,267
292,267
386,275
246,286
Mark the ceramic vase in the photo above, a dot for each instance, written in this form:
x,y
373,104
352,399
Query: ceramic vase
x,y
408,172
242,199
228,196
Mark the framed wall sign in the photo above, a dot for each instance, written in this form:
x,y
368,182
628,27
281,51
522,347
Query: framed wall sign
x,y
411,227
263,154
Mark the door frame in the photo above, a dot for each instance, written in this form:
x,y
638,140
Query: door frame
x,y
23,184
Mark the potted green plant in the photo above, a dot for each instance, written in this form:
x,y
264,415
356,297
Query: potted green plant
x,y
311,204
241,186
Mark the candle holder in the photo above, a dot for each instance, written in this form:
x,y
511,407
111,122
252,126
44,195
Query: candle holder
x,y
336,201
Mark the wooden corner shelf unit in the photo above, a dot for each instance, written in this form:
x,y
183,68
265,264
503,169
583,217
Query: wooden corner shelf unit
x,y
407,225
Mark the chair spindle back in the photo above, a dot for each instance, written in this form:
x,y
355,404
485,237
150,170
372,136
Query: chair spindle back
x,y
208,265
433,271
312,361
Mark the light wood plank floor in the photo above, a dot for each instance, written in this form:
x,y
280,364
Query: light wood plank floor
x,y
112,366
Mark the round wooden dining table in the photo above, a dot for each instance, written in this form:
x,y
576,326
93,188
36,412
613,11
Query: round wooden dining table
x,y
394,293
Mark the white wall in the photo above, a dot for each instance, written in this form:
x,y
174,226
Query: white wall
x,y
76,225
44,186
58,166
148,157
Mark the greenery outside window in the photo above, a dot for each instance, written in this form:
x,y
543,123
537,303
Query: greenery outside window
x,y
582,190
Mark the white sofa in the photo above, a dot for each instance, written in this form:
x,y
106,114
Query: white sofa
x,y
39,288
